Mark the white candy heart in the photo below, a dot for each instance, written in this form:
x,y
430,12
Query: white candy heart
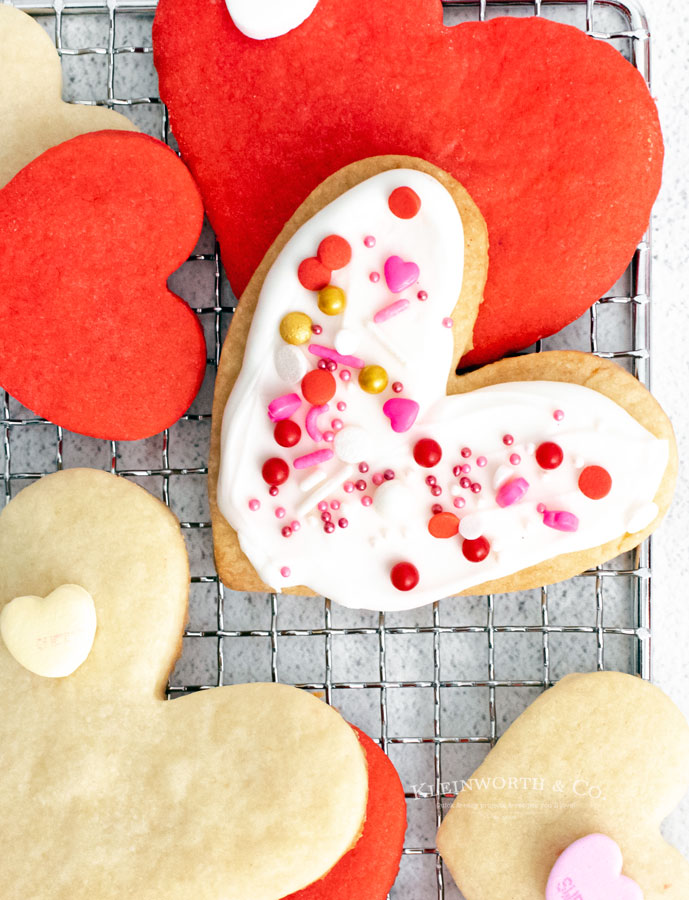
x,y
50,636
261,19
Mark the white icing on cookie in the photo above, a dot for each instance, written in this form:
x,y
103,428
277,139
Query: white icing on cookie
x,y
50,636
369,514
262,19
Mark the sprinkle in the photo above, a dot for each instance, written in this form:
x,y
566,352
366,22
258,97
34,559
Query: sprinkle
x,y
397,387
312,428
363,468
508,440
378,479
285,571
369,241
328,528
287,531
254,505
464,482
558,415
540,508
466,452
476,488
341,406
515,459
459,502
280,513
273,490
283,407
348,487
366,500
436,509
326,517
296,525
389,474
322,506
374,277
345,375
512,492
343,523
335,504
317,329
311,480
465,469
329,436
360,485
337,424
431,480
481,462
388,312
328,353
561,520
436,490
313,459
447,322
422,295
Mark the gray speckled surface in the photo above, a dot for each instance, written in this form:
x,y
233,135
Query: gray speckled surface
x,y
462,655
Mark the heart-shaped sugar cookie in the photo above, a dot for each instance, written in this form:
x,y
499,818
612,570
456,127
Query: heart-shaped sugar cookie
x,y
546,127
574,792
90,336
106,790
33,117
53,635
389,494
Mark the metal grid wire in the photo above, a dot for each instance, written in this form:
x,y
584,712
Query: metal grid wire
x,y
389,673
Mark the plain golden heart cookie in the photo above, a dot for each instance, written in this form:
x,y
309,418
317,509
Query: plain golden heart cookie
x,y
602,753
106,791
33,116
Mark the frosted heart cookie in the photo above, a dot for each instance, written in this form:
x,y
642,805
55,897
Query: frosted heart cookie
x,y
338,463
255,790
33,116
568,805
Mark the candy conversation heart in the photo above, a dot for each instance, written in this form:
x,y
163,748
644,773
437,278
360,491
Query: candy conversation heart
x,y
262,19
569,804
90,336
319,513
33,116
545,126
155,798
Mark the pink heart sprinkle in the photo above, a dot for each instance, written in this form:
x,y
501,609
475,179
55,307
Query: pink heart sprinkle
x,y
591,869
399,274
512,492
560,520
402,413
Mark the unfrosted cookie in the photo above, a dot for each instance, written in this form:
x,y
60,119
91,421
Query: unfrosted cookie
x,y
545,126
341,465
603,754
33,116
105,789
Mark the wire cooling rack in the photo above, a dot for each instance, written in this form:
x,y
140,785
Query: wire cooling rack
x,y
436,686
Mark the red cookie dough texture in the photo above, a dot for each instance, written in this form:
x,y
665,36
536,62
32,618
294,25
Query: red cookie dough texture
x,y
90,336
368,871
546,127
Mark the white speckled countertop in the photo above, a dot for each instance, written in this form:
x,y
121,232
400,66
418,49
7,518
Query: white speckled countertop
x,y
410,657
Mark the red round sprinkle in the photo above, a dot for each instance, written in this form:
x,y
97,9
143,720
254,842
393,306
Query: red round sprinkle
x,y
549,455
595,482
334,252
444,525
275,471
427,453
313,275
343,523
436,490
318,387
476,551
436,508
287,433
404,203
404,576
273,491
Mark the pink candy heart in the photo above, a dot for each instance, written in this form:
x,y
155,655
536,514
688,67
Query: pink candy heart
x,y
399,274
402,413
591,869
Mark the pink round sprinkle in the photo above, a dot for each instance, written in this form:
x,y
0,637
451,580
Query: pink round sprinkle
x,y
328,528
476,488
465,469
317,329
422,295
558,415
335,504
540,508
466,452
341,406
345,375
389,474
348,487
508,440
331,365
366,500
436,508
363,468
378,479
296,525
326,517
431,480
273,490
280,512
343,523
337,424
459,502
360,485
481,462
287,531
464,482
285,571
397,387
322,506
322,364
457,471
329,436
515,459
369,241
254,505
436,490
447,323
374,277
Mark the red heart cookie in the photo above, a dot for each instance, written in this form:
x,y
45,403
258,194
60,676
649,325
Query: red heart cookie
x,y
546,127
90,336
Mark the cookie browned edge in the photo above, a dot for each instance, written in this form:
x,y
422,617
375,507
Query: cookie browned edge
x,y
234,568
